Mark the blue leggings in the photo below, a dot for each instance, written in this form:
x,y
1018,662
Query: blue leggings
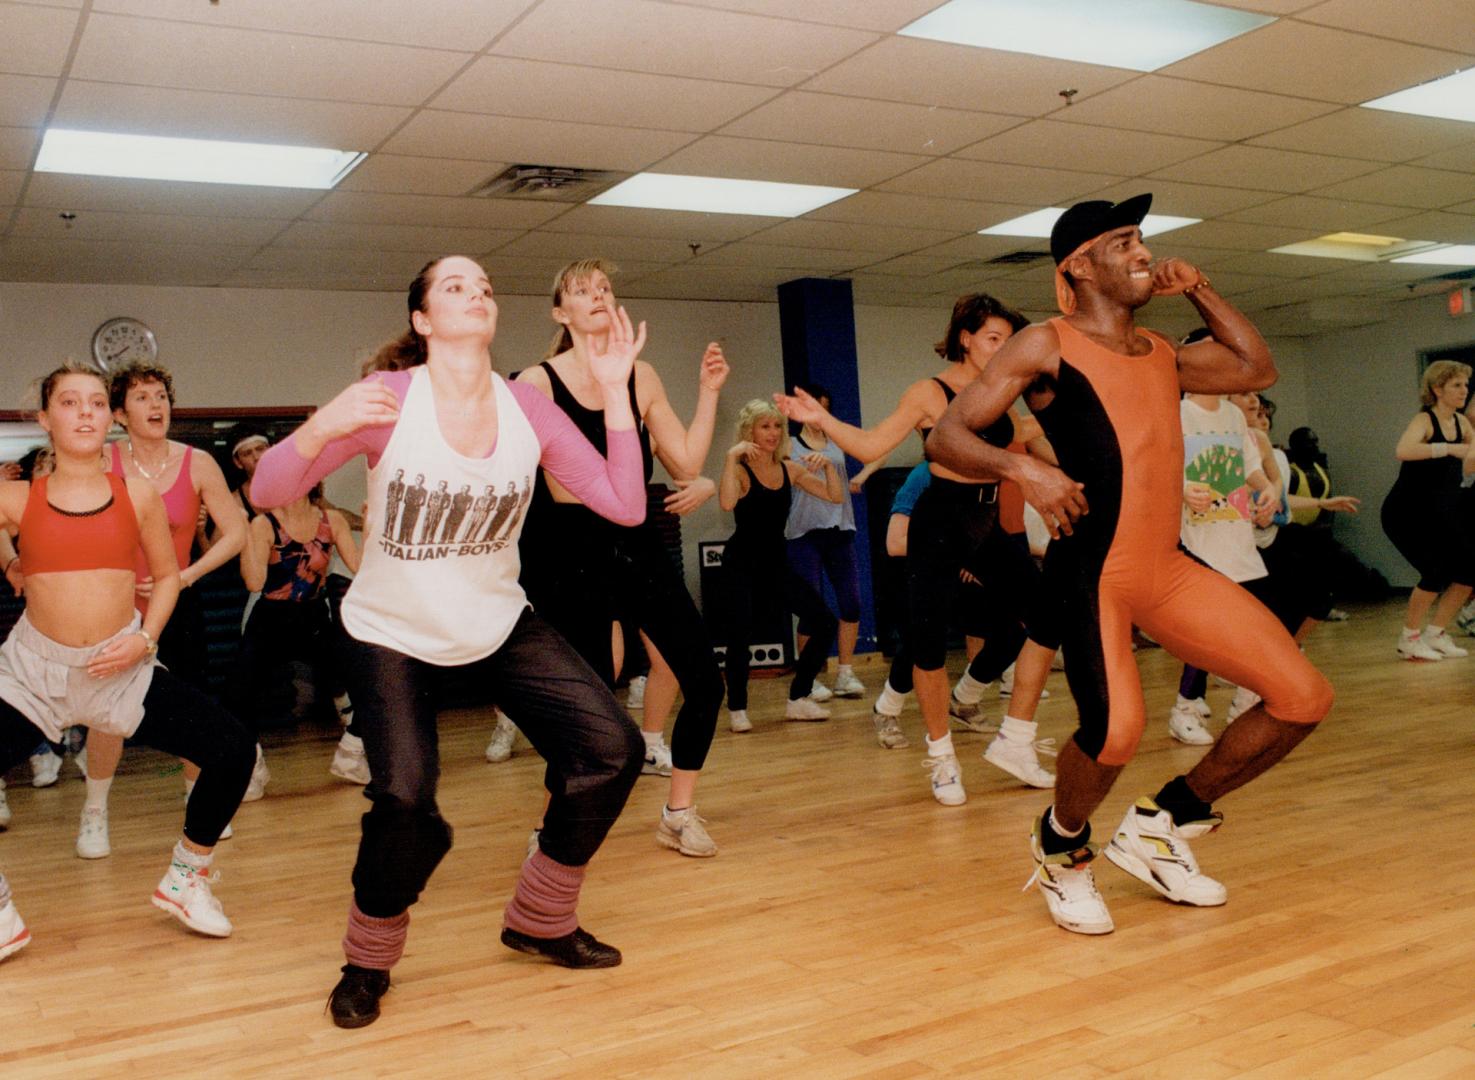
x,y
828,553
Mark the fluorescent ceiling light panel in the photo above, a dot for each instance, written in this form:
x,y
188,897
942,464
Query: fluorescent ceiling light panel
x,y
719,195
1356,247
1140,35
1449,255
204,161
1041,222
1449,98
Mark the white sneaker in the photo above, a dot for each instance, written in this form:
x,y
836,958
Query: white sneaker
x,y
1021,760
260,777
349,760
92,836
805,708
1197,704
967,717
685,831
4,807
1245,699
1069,887
847,685
947,779
635,697
1410,647
45,768
1187,726
1154,850
1443,644
1465,620
888,731
657,759
13,933
503,736
185,894
820,692
737,720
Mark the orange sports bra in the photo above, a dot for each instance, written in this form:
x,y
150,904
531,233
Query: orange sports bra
x,y
55,541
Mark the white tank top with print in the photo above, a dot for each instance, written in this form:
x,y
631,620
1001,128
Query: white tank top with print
x,y
439,575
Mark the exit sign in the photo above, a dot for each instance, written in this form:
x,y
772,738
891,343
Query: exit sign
x,y
1461,302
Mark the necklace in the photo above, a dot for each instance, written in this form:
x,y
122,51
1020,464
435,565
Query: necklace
x,y
163,468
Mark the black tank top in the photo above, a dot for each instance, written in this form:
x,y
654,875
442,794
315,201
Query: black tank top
x,y
1000,433
1432,478
591,421
761,514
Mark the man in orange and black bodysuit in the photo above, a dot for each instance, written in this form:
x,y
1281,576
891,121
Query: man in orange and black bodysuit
x,y
1106,393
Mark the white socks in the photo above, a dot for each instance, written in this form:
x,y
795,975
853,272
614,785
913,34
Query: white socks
x,y
184,861
1017,730
942,747
969,690
653,739
1061,832
97,794
843,670
890,703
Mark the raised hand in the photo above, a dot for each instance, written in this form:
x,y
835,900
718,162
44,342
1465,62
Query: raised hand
x,y
1172,276
814,462
801,407
745,449
714,367
690,494
364,404
611,366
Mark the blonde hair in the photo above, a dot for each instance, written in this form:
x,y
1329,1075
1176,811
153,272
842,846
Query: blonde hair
x,y
575,272
1436,375
751,413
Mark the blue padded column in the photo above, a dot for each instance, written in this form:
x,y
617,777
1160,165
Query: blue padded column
x,y
817,326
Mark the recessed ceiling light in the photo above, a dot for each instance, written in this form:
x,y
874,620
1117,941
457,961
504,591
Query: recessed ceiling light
x,y
1140,35
1449,98
1367,239
204,161
719,195
1041,222
1448,255
1358,247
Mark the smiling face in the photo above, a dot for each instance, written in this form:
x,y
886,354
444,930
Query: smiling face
x,y
146,411
768,432
458,303
1249,404
76,414
1119,266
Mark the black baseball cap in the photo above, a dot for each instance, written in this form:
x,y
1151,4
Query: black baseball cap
x,y
1085,221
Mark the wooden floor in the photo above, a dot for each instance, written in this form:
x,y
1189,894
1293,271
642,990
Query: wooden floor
x,y
849,927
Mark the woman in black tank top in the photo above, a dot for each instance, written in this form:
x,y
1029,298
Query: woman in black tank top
x,y
756,485
583,573
1423,516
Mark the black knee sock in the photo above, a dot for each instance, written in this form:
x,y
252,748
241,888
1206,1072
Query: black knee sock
x,y
1177,799
1052,843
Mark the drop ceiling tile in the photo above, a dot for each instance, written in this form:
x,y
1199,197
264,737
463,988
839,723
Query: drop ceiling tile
x,y
844,236
884,15
17,147
987,181
458,25
1187,200
66,192
435,133
975,247
25,99
1445,228
119,49
706,229
775,256
1272,264
889,208
93,225
962,77
1327,215
397,265
1461,208
1457,159
1242,235
1050,144
787,162
673,40
1269,7
200,114
1269,170
1404,185
530,88
126,256
1193,109
325,235
568,246
1289,57
36,39
400,175
1370,133
368,281
374,208
1442,24
835,120
11,181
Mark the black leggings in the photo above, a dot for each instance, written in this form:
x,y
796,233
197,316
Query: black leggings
x,y
182,721
1429,534
592,748
590,574
277,632
752,582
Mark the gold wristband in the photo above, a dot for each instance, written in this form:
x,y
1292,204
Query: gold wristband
x,y
1202,282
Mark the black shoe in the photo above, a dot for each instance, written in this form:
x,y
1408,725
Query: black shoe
x,y
577,950
354,1002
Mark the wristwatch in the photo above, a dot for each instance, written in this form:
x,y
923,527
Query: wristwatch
x,y
148,639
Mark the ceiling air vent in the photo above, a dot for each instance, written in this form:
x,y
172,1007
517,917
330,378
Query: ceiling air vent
x,y
547,183
1019,258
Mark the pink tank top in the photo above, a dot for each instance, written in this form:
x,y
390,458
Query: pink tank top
x,y
182,502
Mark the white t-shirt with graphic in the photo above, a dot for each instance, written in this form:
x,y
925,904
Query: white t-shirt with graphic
x,y
1219,454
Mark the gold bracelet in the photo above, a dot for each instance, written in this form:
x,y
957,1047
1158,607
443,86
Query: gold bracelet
x,y
152,646
1202,282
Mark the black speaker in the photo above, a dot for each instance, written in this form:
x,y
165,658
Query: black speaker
x,y
773,632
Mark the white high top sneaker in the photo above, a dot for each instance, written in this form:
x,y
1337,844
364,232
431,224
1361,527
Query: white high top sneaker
x,y
1069,887
1152,849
